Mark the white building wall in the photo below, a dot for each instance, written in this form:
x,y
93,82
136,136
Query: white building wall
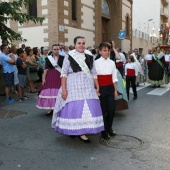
x,y
125,10
125,45
35,36
88,18
73,32
141,43
90,3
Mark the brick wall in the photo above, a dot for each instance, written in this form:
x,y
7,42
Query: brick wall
x,y
58,13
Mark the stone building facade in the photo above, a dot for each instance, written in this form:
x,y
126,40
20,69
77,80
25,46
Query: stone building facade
x,y
96,20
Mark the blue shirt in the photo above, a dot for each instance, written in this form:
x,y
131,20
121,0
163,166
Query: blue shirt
x,y
19,64
41,62
7,67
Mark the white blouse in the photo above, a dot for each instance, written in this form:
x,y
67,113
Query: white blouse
x,y
148,57
131,66
167,58
106,67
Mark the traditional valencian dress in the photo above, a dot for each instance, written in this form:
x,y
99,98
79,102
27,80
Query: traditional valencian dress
x,y
80,113
156,69
49,91
121,102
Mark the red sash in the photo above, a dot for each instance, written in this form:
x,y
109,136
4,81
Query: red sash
x,y
149,61
105,80
130,72
119,64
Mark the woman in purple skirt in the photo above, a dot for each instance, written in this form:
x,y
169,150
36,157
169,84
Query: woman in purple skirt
x,y
51,80
77,111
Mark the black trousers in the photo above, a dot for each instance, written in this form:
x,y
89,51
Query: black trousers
x,y
121,70
107,105
131,80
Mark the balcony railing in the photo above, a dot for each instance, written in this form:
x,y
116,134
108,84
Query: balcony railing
x,y
139,34
164,13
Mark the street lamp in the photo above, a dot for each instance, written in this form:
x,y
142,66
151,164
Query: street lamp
x,y
148,29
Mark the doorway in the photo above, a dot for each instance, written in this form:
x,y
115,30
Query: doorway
x,y
104,29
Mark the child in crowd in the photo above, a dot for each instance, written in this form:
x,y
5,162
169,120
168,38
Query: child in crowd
x,y
107,78
21,74
131,72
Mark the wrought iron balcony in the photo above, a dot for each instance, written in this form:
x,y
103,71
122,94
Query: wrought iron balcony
x,y
164,13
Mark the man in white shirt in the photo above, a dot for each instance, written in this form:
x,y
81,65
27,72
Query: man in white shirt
x,y
121,62
62,48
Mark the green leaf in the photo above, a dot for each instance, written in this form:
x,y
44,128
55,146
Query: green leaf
x,y
13,11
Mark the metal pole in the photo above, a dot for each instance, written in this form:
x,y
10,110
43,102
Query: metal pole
x,y
122,45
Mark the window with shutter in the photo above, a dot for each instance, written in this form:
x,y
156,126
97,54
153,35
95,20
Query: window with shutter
x,y
32,8
74,8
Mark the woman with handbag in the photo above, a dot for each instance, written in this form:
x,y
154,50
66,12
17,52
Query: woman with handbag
x,y
32,68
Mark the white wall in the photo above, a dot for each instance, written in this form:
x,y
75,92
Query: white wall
x,y
35,36
125,45
125,10
88,2
73,32
87,17
141,43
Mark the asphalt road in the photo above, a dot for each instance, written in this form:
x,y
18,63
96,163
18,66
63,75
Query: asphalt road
x,y
27,142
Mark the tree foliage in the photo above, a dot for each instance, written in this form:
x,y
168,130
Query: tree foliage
x,y
13,11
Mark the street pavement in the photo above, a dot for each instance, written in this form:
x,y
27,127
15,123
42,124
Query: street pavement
x,y
27,142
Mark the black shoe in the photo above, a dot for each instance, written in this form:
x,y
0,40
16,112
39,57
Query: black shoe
x,y
21,100
49,113
72,136
135,97
112,132
105,135
84,140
